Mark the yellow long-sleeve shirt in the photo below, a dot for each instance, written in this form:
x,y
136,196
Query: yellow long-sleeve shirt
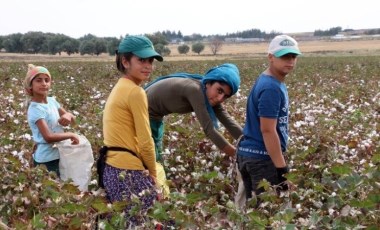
x,y
126,125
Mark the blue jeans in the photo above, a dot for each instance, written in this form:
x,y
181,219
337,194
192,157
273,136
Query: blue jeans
x,y
253,170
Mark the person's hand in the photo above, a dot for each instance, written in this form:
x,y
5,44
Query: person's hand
x,y
230,150
74,139
282,181
66,119
157,187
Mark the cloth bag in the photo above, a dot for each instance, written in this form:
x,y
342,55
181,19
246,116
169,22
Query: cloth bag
x,y
76,161
162,181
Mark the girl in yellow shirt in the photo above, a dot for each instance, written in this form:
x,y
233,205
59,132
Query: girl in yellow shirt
x,y
126,126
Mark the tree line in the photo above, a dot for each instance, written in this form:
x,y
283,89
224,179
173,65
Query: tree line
x,y
50,43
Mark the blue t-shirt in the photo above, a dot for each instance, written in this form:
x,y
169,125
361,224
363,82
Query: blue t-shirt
x,y
49,112
268,98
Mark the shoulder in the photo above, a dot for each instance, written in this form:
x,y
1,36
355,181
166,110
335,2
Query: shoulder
x,y
53,102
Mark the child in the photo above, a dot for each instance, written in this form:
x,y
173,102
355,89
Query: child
x,y
127,132
261,151
46,118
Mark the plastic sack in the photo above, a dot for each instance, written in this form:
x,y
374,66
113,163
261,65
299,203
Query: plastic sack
x,y
76,161
161,180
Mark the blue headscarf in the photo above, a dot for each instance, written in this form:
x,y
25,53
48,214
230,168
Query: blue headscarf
x,y
227,73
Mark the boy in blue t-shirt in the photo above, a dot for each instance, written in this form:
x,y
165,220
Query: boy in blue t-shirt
x,y
265,134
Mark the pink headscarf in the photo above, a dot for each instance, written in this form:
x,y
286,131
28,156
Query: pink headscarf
x,y
33,71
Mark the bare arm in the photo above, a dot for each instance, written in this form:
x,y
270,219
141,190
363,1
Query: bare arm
x,y
51,137
66,118
272,141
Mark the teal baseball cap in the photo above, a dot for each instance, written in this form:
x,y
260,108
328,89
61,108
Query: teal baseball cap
x,y
140,46
282,45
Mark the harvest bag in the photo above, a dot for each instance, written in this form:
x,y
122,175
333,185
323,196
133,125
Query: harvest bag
x,y
76,161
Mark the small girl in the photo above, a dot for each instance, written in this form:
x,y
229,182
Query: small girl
x,y
46,118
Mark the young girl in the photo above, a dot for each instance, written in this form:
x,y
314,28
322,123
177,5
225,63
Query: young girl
x,y
201,94
46,118
127,132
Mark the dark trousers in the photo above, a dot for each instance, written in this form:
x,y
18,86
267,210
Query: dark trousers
x,y
52,166
253,170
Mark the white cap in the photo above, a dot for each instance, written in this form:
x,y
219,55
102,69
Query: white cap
x,y
283,44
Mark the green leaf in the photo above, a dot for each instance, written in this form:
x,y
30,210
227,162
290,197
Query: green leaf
x,y
376,158
210,175
100,204
38,222
341,169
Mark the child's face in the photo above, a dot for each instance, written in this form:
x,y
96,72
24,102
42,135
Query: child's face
x,y
139,69
41,85
217,92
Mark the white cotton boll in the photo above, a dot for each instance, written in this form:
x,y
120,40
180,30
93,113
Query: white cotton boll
x,y
178,159
99,135
216,168
76,113
203,162
27,136
166,152
173,169
16,121
331,211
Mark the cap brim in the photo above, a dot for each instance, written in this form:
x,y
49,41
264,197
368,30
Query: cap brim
x,y
148,53
286,51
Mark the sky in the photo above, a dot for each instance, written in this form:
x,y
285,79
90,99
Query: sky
x,y
116,18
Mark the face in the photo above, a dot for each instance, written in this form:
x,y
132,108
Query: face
x,y
283,65
138,69
217,92
41,85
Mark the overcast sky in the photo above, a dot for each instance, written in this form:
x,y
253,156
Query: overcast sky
x,y
115,18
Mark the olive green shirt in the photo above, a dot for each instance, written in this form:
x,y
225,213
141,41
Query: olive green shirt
x,y
185,95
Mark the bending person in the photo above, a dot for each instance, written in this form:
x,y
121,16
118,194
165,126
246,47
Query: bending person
x,y
204,95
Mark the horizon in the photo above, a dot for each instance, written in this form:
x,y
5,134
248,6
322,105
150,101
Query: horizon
x,y
117,18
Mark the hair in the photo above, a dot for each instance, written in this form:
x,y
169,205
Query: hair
x,y
119,60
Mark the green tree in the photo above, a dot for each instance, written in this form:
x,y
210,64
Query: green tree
x,y
100,46
34,42
183,49
112,44
55,43
161,49
87,47
197,47
157,38
71,46
13,44
2,38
